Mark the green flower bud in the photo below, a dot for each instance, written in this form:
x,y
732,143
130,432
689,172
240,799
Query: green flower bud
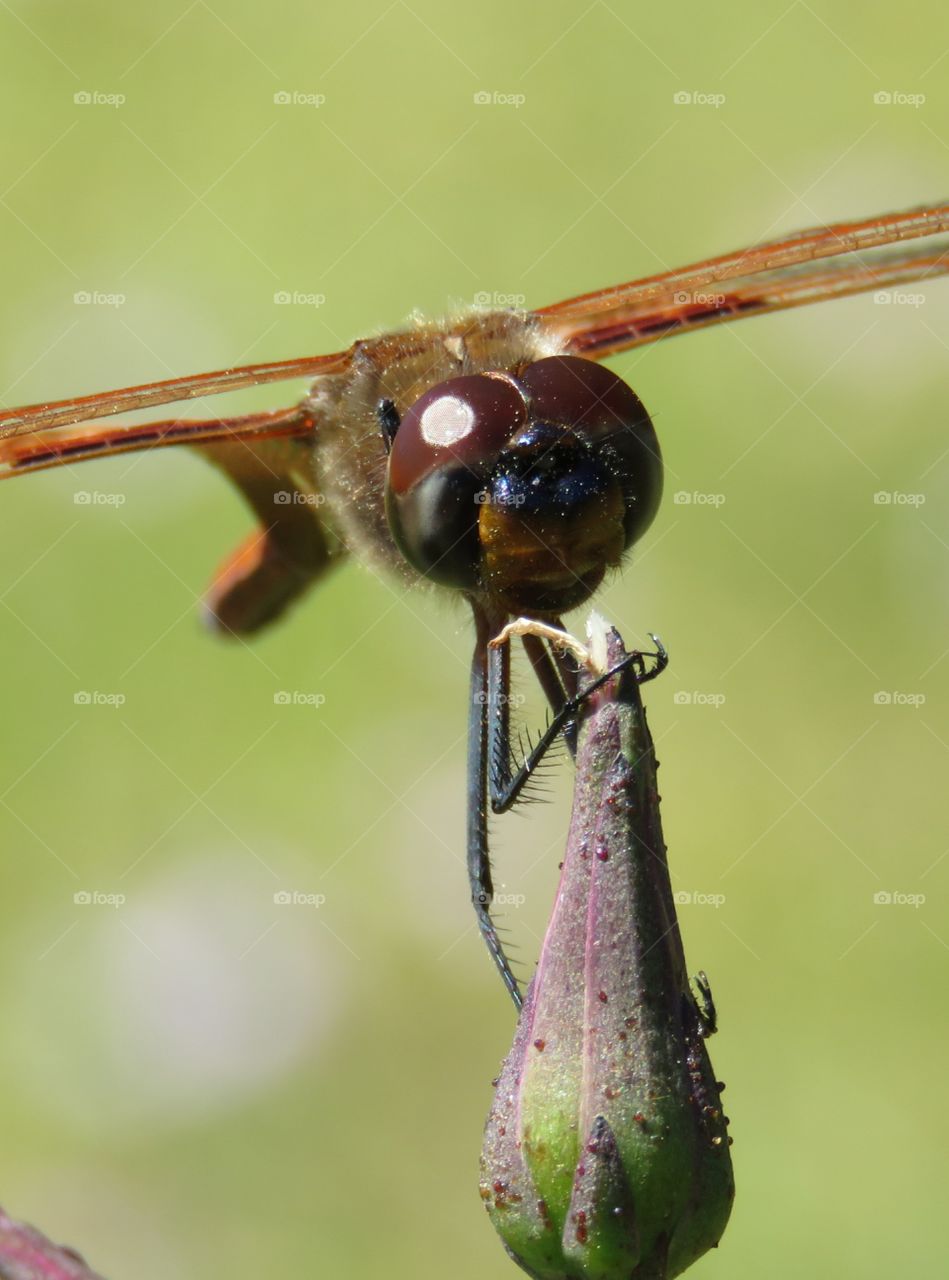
x,y
606,1153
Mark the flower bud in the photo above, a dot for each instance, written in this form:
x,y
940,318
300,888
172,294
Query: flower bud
x,y
606,1153
26,1254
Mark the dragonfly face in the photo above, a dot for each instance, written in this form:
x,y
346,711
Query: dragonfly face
x,y
523,487
488,455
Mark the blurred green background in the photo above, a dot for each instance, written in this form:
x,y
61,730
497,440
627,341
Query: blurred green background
x,y
201,1081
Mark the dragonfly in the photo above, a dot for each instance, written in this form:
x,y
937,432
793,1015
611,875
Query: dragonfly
x,y
490,455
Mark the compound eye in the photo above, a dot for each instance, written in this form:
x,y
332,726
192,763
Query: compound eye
x,y
605,412
441,457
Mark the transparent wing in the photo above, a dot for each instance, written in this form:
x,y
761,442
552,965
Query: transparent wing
x,y
64,413
23,453
810,266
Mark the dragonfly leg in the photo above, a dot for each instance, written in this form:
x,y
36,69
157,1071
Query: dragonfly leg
x,y
557,675
506,783
483,710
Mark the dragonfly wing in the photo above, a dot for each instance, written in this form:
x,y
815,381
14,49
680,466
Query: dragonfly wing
x,y
811,266
64,413
62,446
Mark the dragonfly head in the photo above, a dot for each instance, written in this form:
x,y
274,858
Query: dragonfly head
x,y
522,487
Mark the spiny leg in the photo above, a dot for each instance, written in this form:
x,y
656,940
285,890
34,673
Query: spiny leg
x,y
505,783
556,674
486,707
